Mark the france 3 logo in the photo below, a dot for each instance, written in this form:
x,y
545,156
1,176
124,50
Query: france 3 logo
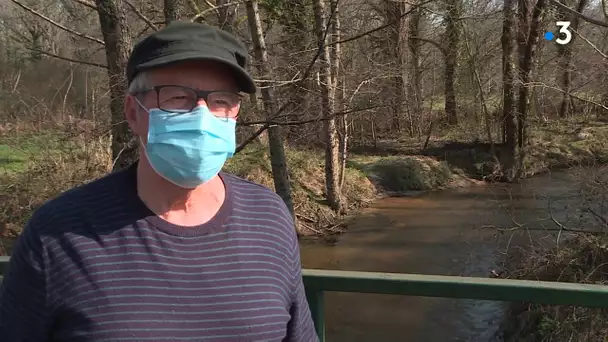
x,y
563,35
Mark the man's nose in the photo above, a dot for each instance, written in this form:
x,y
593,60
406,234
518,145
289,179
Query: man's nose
x,y
201,102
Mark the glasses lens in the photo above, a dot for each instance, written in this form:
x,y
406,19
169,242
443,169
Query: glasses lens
x,y
224,104
176,99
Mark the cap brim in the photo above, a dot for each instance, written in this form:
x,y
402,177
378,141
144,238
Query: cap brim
x,y
244,80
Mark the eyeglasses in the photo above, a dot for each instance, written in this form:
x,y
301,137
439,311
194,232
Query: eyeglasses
x,y
180,99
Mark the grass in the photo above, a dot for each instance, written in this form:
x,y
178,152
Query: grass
x,y
16,151
47,165
35,167
579,258
306,170
400,174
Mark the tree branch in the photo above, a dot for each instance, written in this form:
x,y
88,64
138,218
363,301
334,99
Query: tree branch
x,y
580,15
304,122
214,8
540,84
591,44
67,58
141,16
379,28
54,23
305,75
432,42
87,4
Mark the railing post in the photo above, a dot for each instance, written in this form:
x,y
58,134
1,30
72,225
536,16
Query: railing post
x,y
317,310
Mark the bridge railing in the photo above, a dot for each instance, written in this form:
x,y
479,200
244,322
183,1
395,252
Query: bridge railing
x,y
317,282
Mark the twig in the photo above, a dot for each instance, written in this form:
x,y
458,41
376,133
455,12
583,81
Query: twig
x,y
540,84
214,8
303,122
591,44
54,23
68,59
305,76
305,218
559,224
141,16
598,216
382,27
87,4
580,15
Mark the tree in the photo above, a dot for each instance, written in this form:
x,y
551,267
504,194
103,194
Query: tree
x,y
508,77
118,45
530,15
332,148
565,59
275,141
452,40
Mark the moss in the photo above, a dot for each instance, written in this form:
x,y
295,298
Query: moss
x,y
406,173
307,176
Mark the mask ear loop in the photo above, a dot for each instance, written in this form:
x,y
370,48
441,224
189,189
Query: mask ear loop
x,y
141,142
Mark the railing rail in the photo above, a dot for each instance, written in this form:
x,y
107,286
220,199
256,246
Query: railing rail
x,y
317,282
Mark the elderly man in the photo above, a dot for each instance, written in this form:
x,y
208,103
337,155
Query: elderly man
x,y
170,248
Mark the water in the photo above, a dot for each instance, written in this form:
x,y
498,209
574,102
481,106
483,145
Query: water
x,y
442,233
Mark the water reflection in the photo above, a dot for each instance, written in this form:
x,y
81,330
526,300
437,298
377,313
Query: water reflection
x,y
443,233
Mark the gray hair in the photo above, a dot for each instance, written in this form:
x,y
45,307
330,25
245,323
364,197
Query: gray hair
x,y
140,83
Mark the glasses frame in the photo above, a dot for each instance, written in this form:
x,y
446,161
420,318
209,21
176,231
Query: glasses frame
x,y
200,94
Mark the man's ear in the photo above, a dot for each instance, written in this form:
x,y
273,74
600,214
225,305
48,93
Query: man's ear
x,y
131,114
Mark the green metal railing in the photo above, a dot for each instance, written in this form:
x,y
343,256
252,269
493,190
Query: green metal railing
x,y
317,282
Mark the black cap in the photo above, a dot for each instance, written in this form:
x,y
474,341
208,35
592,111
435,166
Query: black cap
x,y
182,41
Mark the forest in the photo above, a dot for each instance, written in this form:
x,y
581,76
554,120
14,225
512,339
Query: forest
x,y
357,99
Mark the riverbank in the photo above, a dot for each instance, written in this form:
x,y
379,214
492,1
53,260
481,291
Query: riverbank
x,y
581,259
567,255
366,179
37,167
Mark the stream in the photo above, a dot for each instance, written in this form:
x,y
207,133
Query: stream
x,y
451,232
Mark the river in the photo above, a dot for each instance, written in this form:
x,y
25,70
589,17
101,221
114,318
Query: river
x,y
443,233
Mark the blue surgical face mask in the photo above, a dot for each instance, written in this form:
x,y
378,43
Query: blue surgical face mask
x,y
189,149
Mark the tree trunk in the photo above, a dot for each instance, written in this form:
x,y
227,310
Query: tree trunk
x,y
452,36
415,95
275,140
397,48
528,38
170,10
332,180
226,15
114,28
297,39
565,60
508,78
338,82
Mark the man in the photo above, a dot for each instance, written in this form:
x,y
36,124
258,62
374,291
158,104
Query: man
x,y
170,249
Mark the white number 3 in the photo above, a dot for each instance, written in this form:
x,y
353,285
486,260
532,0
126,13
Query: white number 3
x,y
563,29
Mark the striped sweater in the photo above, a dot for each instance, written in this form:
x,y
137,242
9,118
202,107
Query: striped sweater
x,y
95,264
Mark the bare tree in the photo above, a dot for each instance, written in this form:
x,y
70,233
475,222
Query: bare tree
x,y
173,10
565,59
530,15
508,85
226,14
397,50
118,45
452,40
275,141
332,177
